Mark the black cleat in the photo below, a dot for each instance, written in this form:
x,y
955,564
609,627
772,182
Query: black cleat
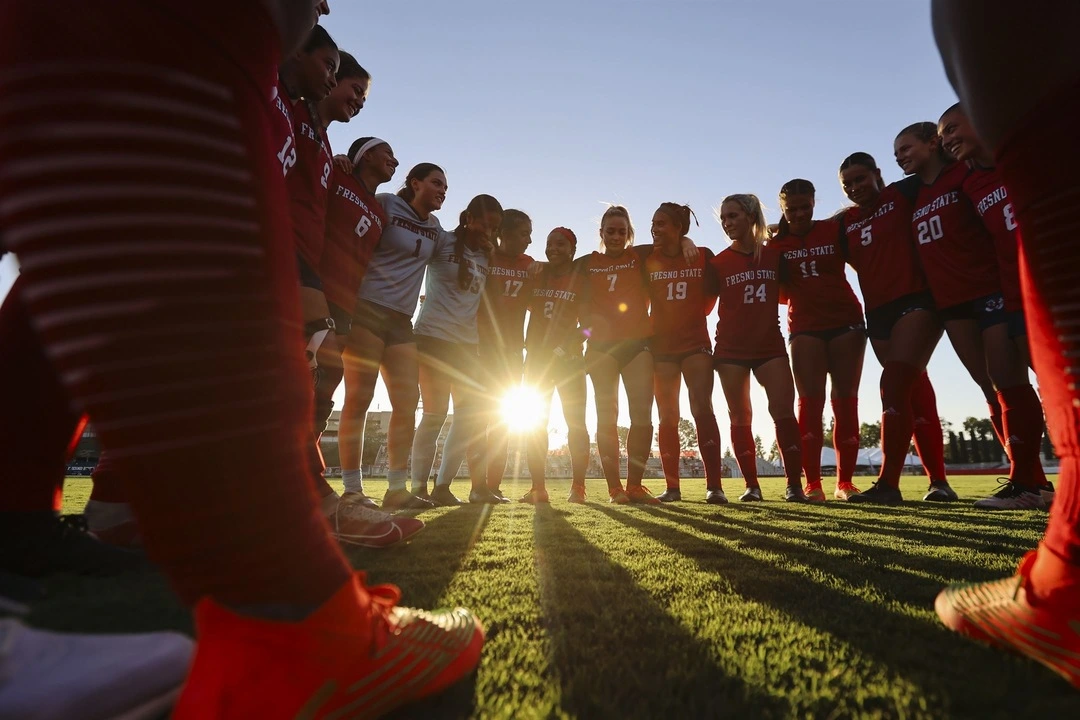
x,y
940,491
878,494
795,494
482,496
752,494
716,497
40,543
404,500
497,493
442,497
670,495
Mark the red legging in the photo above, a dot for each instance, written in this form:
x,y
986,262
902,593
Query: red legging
x,y
140,190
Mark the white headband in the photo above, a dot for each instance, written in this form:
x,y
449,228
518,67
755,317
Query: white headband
x,y
365,147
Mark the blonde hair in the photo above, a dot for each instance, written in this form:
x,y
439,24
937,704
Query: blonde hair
x,y
750,204
617,211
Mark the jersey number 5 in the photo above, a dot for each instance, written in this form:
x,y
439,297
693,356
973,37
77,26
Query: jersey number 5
x,y
867,235
753,291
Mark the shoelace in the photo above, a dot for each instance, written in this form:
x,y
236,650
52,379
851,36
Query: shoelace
x,y
384,598
1006,489
363,512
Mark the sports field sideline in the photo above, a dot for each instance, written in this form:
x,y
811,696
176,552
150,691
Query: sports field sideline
x,y
685,610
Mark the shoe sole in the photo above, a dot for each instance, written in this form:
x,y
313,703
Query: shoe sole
x,y
392,537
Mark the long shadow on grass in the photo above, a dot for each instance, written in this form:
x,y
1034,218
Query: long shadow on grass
x,y
425,567
873,525
616,651
945,666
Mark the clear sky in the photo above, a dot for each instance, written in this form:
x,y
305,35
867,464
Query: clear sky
x,y
559,107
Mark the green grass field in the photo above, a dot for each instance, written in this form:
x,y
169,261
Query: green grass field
x,y
687,610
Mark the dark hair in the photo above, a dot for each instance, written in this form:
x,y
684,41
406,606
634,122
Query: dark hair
x,y
952,108
511,220
859,158
349,68
419,172
926,131
680,214
479,205
318,38
798,186
569,235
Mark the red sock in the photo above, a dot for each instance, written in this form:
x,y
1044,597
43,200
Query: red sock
x,y
38,427
845,437
1022,420
811,410
787,437
929,442
708,440
897,381
742,443
181,341
108,487
669,453
1044,195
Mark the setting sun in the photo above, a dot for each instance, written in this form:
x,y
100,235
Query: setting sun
x,y
523,409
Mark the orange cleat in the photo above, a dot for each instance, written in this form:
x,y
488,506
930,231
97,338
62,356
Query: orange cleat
x,y
814,493
577,494
640,495
360,655
844,491
618,496
1002,614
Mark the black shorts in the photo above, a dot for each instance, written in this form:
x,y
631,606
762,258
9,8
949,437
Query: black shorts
x,y
390,326
308,277
831,333
677,358
458,360
881,320
988,311
342,319
753,364
1017,325
547,368
621,351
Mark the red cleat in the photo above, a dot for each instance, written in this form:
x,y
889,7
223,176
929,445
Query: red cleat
x,y
640,495
360,655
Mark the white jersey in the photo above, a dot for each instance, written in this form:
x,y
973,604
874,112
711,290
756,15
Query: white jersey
x,y
397,266
449,312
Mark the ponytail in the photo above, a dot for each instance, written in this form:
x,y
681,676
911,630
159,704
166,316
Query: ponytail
x,y
680,214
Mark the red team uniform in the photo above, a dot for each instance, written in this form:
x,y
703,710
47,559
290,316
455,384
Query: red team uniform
x,y
354,225
748,331
501,320
991,200
820,300
281,128
682,298
616,310
554,340
956,251
308,184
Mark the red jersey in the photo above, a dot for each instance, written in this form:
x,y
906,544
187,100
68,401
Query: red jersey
x,y
616,296
988,194
957,252
554,305
879,246
749,325
681,300
282,128
354,224
501,319
818,294
308,185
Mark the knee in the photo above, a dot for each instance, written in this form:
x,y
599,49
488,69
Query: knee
x,y
700,409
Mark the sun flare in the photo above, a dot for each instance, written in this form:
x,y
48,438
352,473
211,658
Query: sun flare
x,y
523,409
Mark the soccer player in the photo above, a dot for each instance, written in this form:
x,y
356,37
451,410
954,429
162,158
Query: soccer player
x,y
446,343
189,369
616,321
901,320
681,299
554,361
827,335
502,332
984,187
381,335
748,340
958,257
1018,76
